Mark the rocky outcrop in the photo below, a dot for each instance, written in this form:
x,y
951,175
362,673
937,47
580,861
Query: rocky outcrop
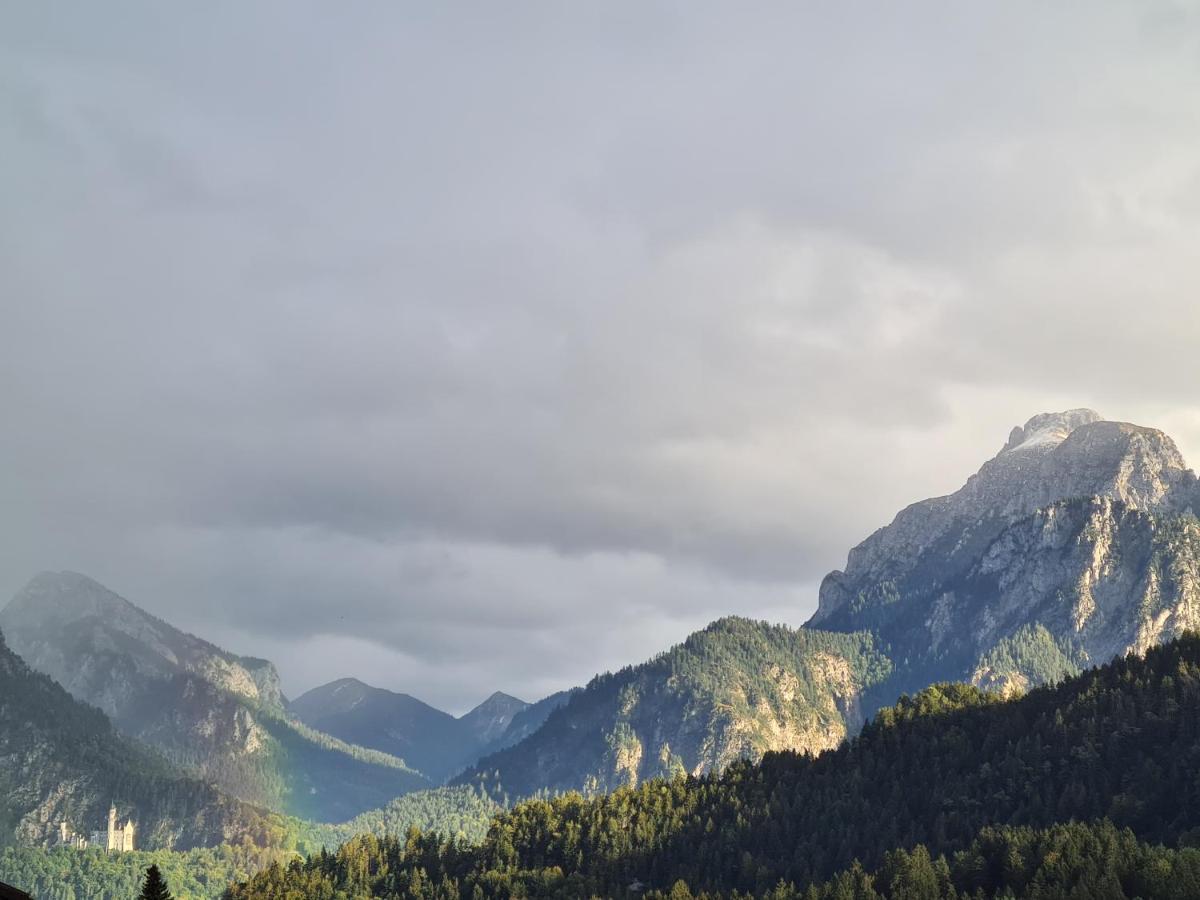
x,y
735,690
1076,543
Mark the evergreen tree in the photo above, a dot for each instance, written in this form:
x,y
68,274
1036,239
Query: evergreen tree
x,y
155,886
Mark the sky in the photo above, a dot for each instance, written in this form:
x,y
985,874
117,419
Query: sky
x,y
464,347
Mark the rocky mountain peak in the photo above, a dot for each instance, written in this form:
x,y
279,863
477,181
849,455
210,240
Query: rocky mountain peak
x,y
1053,457
68,594
1046,431
490,718
61,618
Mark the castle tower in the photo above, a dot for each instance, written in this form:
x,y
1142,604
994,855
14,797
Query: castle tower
x,y
112,829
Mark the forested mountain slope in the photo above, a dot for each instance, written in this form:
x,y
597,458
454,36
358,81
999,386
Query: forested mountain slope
x,y
1121,741
209,711
736,689
61,761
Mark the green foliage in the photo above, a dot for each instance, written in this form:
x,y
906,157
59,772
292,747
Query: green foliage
x,y
1121,742
154,887
1030,655
724,692
1067,861
461,812
203,874
68,874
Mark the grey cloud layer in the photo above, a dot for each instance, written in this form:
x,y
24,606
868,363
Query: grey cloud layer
x,y
462,332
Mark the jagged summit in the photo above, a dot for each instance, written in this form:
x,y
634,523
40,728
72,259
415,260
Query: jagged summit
x,y
1047,430
489,719
501,700
1075,543
1053,457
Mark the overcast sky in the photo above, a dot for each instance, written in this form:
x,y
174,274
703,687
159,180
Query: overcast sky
x,y
465,348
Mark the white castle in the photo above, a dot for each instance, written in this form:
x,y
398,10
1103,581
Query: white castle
x,y
118,838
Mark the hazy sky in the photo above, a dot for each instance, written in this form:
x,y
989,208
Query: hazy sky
x,y
464,347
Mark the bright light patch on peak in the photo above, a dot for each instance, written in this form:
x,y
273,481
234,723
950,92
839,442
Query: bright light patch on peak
x,y
1048,430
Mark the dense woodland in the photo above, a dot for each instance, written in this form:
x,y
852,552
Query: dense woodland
x,y
1075,861
68,874
935,771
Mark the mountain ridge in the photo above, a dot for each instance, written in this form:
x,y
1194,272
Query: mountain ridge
x,y
216,714
735,689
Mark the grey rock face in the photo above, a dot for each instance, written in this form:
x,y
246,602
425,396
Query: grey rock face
x,y
491,718
98,645
1055,456
1074,544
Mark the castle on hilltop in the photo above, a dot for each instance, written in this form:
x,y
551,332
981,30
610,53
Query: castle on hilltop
x,y
119,838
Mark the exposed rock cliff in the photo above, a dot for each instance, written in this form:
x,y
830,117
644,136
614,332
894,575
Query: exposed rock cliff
x,y
1074,544
736,689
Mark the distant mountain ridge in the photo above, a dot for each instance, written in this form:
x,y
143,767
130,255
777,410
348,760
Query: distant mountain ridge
x,y
216,714
432,741
435,742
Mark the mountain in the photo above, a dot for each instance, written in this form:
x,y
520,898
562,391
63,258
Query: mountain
x,y
216,714
62,761
436,743
951,770
489,720
736,689
432,741
1076,543
526,721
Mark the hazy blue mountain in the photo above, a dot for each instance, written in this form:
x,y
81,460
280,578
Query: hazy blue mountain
x,y
62,761
426,738
218,715
435,742
491,718
528,720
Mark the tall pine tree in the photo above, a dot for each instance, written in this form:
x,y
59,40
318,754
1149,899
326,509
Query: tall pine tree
x,y
155,886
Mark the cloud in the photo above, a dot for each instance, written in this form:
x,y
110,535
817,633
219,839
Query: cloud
x,y
486,348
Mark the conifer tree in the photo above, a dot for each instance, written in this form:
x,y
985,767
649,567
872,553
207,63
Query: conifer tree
x,y
155,886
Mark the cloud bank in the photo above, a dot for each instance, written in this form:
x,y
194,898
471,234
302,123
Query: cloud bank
x,y
472,348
